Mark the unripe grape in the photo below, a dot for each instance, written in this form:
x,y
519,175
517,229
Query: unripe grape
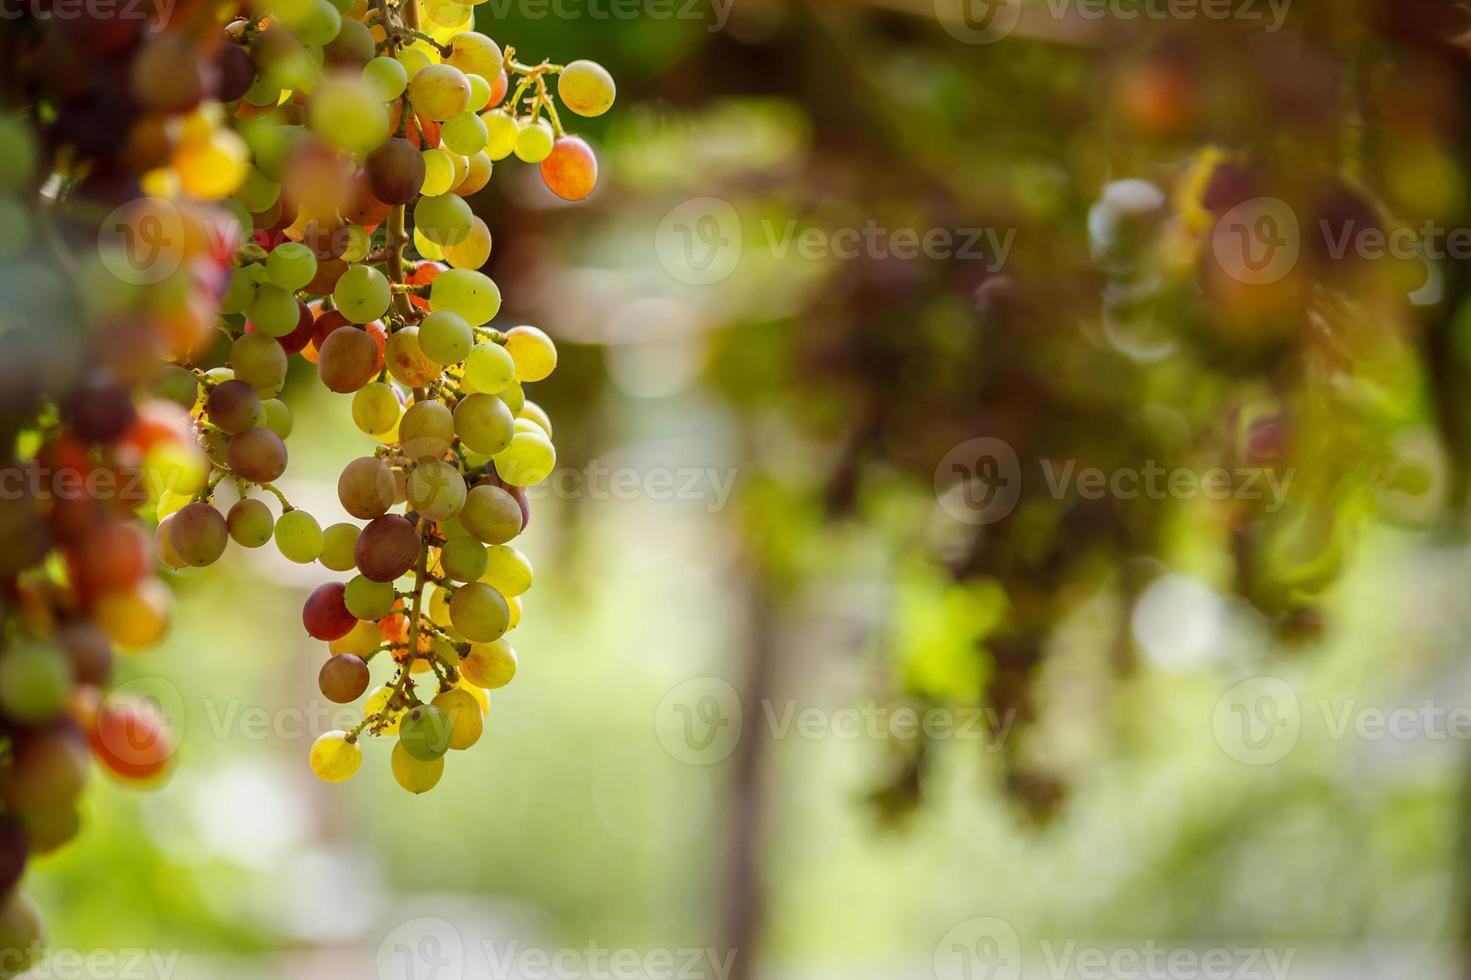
x,y
198,534
479,92
535,413
335,759
241,291
436,490
501,133
484,424
439,92
250,523
534,141
321,24
533,351
529,459
444,219
586,88
273,311
387,77
366,488
445,338
375,408
479,612
413,774
278,417
257,455
439,174
343,678
299,537
514,396
466,723
490,368
348,359
291,265
324,615
362,294
475,53
463,559
473,295
424,732
388,548
427,430
347,114
34,681
259,361
508,570
464,134
489,665
491,514
234,406
367,599
257,193
571,169
474,250
406,361
395,171
353,45
339,547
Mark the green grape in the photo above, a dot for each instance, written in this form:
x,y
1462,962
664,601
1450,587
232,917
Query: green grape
x,y
479,612
278,417
334,759
489,665
359,244
515,397
375,408
348,115
443,219
413,61
415,775
259,361
362,294
473,252
461,167
299,537
387,77
368,600
258,192
463,559
263,92
491,515
484,424
464,134
424,732
490,368
529,459
445,337
274,311
439,172
501,132
320,26
479,91
291,265
536,414
534,142
439,92
426,248
436,490
473,295
438,606
426,431
586,88
34,682
338,544
240,292
250,523
18,154
508,571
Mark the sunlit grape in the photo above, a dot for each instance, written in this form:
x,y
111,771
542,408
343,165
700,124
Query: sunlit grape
x,y
479,612
339,542
299,537
474,250
571,169
477,175
439,92
278,417
387,77
362,294
473,52
259,361
501,133
348,360
444,219
438,172
586,88
367,599
134,618
250,523
406,360
514,396
536,414
348,115
484,424
413,60
257,455
415,775
491,514
427,430
529,459
490,368
464,134
508,571
273,311
335,759
424,732
465,720
359,244
479,92
291,265
436,490
445,337
365,488
534,141
471,294
489,665
375,408
533,351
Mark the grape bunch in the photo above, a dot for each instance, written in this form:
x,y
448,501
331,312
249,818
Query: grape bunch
x,y
366,133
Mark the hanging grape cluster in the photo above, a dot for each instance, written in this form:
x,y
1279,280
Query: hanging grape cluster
x,y
291,174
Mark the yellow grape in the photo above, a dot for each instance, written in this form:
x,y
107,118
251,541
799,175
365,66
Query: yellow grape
x,y
529,459
489,665
439,172
472,52
477,174
335,759
137,617
533,351
414,775
376,702
535,413
507,570
375,408
363,641
586,88
464,134
426,248
439,92
465,720
501,131
515,603
473,251
534,141
348,115
414,60
481,698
